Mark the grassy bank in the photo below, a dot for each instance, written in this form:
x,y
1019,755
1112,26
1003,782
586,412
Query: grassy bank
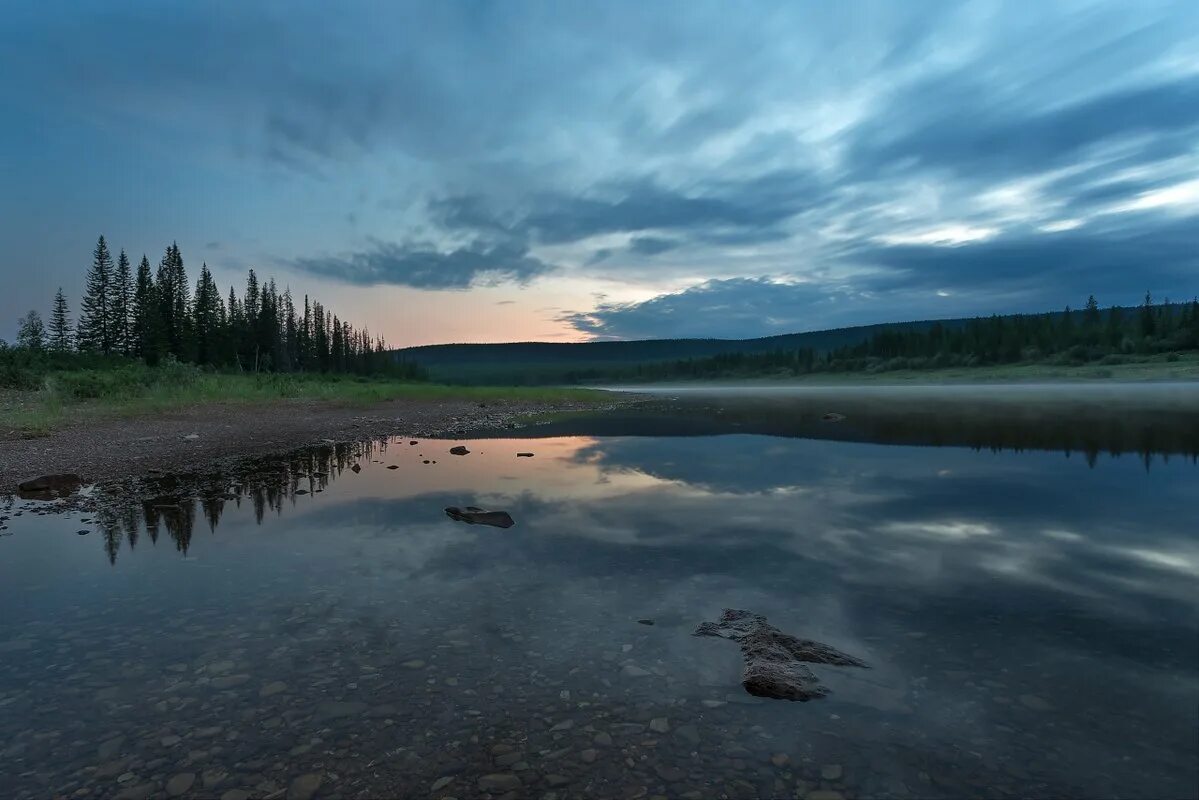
x,y
1151,368
63,398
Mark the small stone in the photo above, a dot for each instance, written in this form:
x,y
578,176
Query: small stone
x,y
713,703
1034,702
557,780
603,739
272,688
458,451
659,725
780,760
831,772
229,681
236,794
589,756
634,671
824,794
501,748
141,792
110,748
688,732
645,622
338,709
507,759
304,787
169,741
499,783
564,725
668,773
180,783
213,778
441,783
415,663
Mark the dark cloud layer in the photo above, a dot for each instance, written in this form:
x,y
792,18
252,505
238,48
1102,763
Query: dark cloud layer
x,y
425,267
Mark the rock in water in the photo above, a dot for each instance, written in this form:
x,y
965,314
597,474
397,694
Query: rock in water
x,y
355,469
524,455
49,487
180,783
477,516
832,416
458,451
774,661
304,787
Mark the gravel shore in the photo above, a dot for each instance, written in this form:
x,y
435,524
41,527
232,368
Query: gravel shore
x,y
193,437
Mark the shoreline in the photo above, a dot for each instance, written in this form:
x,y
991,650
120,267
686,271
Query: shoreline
x,y
107,450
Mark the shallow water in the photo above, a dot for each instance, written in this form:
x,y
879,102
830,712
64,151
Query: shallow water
x,y
1030,617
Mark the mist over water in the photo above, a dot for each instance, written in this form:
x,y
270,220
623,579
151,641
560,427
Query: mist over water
x,y
1022,586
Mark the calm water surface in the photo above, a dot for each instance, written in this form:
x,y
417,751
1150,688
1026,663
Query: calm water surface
x,y
1028,603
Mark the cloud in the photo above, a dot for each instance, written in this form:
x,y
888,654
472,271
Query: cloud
x,y
651,245
1016,271
1118,262
748,209
972,132
423,266
733,308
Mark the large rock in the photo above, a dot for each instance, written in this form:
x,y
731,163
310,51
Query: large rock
x,y
458,451
774,661
477,516
48,487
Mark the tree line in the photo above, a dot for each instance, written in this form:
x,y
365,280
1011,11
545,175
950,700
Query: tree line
x,y
1069,337
155,315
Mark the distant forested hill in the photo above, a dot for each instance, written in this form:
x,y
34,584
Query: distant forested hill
x,y
1076,337
558,362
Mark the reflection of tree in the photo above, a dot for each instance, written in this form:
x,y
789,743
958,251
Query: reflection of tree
x,y
110,531
170,502
996,425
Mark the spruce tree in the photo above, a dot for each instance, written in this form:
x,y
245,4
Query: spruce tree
x,y
181,343
207,318
31,332
60,324
1148,318
122,301
147,320
95,315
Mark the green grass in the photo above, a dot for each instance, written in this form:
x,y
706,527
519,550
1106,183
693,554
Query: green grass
x,y
68,397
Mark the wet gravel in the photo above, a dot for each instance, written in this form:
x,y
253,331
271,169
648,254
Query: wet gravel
x,y
199,437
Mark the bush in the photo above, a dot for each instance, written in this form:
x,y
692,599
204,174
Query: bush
x,y
20,378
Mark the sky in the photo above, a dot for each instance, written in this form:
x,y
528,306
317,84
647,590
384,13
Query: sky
x,y
496,171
